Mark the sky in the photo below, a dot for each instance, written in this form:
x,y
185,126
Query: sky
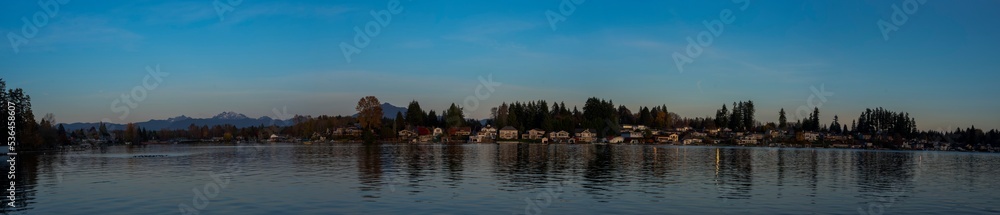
x,y
83,60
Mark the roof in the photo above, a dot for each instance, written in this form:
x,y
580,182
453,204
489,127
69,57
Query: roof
x,y
508,128
423,131
582,130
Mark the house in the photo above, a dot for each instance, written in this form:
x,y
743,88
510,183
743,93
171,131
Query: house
x,y
775,134
352,131
508,132
560,135
438,131
536,134
747,140
632,134
585,135
692,141
698,134
617,140
488,131
810,136
461,131
668,138
714,131
422,131
406,134
836,137
276,138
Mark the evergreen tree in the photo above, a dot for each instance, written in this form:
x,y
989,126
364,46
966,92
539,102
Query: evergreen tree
x,y
414,115
782,120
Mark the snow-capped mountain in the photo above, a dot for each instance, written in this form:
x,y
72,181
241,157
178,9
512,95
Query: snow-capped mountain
x,y
230,116
182,122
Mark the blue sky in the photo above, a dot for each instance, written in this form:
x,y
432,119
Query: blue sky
x,y
939,65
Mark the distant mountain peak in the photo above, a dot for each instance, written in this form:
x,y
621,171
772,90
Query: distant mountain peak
x,y
179,118
389,110
230,115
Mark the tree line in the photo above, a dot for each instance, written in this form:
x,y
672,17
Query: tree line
x,y
598,114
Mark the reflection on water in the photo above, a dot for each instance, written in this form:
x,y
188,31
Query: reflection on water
x,y
501,178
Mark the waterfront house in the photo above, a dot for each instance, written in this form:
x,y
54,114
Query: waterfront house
x,y
406,134
461,131
508,132
747,140
616,140
585,135
352,131
438,132
536,134
810,136
714,132
631,135
667,138
691,141
488,131
560,135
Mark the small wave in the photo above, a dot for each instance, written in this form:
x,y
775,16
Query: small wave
x,y
148,156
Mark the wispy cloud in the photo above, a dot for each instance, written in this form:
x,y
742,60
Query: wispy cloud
x,y
485,30
248,11
84,30
417,44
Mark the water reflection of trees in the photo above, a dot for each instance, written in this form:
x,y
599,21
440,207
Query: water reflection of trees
x,y
370,168
884,174
454,155
734,174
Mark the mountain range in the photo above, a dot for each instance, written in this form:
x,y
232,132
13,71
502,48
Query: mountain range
x,y
182,122
232,118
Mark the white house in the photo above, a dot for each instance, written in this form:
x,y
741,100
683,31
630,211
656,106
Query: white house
x,y
631,134
488,131
585,135
698,134
438,131
691,141
667,138
536,134
810,136
617,140
560,135
508,132
406,134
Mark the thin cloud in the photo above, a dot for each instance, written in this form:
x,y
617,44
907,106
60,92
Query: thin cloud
x,y
83,30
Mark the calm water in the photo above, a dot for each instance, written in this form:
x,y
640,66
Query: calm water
x,y
504,179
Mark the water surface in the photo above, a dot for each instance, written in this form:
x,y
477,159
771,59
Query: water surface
x,y
503,179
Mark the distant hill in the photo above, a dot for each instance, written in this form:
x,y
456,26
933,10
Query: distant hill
x,y
389,111
182,122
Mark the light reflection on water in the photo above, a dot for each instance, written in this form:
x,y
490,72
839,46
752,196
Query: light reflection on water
x,y
505,179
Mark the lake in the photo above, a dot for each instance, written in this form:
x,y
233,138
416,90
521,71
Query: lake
x,y
502,179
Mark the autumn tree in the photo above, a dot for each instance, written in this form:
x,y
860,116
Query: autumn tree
x,y
369,112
